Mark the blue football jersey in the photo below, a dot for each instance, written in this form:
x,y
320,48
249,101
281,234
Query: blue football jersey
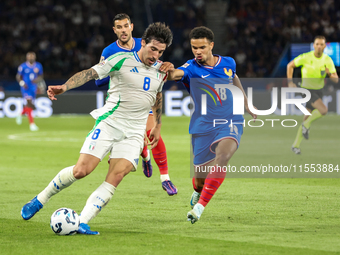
x,y
29,72
113,48
211,98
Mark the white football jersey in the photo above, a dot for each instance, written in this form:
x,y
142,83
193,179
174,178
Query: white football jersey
x,y
132,89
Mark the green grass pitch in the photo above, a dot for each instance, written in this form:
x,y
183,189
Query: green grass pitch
x,y
246,216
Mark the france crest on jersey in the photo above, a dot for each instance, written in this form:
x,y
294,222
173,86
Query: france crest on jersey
x,y
210,88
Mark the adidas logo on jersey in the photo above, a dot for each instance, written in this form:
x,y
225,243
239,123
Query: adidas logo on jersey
x,y
134,70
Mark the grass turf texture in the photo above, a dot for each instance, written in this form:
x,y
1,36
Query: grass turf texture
x,y
246,216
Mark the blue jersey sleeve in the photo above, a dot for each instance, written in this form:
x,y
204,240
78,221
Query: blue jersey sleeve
x,y
107,52
20,69
187,75
233,64
106,80
102,82
40,69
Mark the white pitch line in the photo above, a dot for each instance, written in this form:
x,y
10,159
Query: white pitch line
x,y
44,137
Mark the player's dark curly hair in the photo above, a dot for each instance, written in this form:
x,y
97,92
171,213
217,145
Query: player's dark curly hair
x,y
202,32
159,32
121,16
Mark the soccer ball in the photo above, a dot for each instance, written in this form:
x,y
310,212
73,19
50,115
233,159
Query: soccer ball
x,y
64,221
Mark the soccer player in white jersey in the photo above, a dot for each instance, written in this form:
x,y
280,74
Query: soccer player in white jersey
x,y
123,27
136,85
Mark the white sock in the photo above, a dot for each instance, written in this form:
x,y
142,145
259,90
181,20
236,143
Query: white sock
x,y
96,202
61,181
165,177
148,156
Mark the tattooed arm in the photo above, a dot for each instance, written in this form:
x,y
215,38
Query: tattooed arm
x,y
75,81
157,108
157,113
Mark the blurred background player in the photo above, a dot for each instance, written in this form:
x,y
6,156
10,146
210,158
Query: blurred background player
x,y
211,146
29,74
315,67
123,28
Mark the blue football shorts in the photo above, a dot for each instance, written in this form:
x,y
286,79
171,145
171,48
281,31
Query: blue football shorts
x,y
204,145
29,93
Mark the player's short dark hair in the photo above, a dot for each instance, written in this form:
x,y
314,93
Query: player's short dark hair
x,y
202,32
159,32
320,37
121,16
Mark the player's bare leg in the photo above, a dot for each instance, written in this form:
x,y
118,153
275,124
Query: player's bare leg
x,y
85,165
320,110
299,136
160,157
102,195
224,151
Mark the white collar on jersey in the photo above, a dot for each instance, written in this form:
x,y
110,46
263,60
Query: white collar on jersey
x,y
133,45
29,64
211,67
136,56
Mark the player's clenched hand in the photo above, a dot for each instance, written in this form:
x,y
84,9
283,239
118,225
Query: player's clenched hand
x,y
166,66
53,91
154,137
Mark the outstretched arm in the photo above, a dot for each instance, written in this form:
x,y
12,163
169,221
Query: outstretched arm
x,y
238,84
175,74
75,81
156,130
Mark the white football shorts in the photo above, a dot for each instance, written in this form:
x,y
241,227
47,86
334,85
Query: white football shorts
x,y
123,140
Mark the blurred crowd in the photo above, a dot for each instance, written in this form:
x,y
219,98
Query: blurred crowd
x,y
258,30
69,36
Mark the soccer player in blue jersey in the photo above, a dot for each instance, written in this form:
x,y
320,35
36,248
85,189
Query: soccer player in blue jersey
x,y
29,74
212,146
123,28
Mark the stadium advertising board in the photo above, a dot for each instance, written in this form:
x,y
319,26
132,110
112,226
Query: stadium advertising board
x,y
176,103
